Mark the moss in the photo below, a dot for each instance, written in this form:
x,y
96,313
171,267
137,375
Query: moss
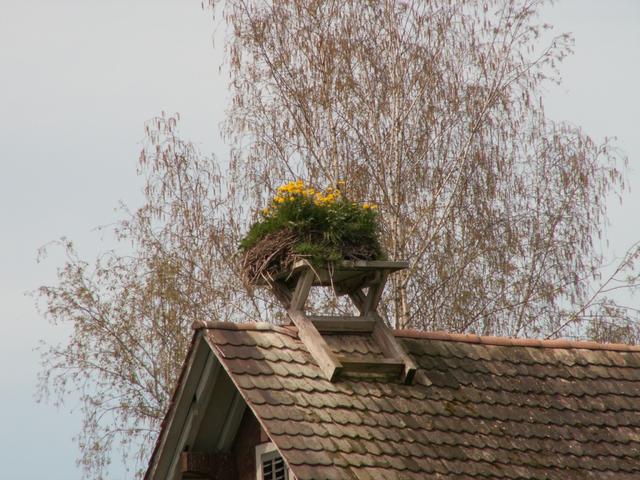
x,y
323,227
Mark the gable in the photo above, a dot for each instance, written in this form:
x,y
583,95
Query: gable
x,y
204,416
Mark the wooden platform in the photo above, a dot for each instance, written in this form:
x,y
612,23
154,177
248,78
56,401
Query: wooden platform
x,y
344,277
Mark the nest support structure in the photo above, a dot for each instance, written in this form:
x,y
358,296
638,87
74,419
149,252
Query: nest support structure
x,y
350,278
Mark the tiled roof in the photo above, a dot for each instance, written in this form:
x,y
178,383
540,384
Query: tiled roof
x,y
481,407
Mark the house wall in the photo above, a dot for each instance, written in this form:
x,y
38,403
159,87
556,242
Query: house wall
x,y
249,435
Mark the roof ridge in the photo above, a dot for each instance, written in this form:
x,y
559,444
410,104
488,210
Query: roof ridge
x,y
516,342
292,331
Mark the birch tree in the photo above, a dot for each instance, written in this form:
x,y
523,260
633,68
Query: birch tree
x,y
433,111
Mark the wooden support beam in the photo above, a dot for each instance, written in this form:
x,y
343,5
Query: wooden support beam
x,y
360,265
316,345
233,417
346,324
358,299
213,466
301,292
282,293
383,335
346,277
373,265
375,292
199,400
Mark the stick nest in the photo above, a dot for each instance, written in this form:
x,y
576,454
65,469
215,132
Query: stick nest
x,y
278,251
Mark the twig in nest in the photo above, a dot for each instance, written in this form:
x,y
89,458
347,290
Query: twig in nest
x,y
275,254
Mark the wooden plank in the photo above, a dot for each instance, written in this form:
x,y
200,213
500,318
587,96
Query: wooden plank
x,y
345,324
231,423
282,293
357,265
344,275
316,345
387,366
301,292
372,265
391,348
375,293
167,458
348,271
196,408
358,299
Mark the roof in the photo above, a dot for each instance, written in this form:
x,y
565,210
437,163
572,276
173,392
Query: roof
x,y
480,407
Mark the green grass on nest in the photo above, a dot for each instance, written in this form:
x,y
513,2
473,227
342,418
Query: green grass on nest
x,y
300,226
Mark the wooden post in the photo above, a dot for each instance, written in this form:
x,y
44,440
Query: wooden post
x,y
375,292
301,292
390,346
358,298
318,348
282,293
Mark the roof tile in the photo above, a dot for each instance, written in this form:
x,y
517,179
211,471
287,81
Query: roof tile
x,y
481,408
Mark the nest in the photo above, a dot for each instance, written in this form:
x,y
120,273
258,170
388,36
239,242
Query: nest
x,y
275,254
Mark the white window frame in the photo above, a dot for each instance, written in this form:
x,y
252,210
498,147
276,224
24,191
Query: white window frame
x,y
268,451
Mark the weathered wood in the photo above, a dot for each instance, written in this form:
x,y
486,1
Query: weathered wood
x,y
358,299
316,345
301,292
346,324
343,276
383,335
387,366
233,419
282,293
362,265
214,466
375,292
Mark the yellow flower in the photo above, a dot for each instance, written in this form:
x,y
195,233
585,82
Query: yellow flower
x,y
298,189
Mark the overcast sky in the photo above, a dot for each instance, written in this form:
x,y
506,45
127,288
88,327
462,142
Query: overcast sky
x,y
78,79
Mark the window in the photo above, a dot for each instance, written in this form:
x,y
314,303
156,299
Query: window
x,y
269,464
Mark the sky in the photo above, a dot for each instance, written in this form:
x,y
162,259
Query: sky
x,y
78,79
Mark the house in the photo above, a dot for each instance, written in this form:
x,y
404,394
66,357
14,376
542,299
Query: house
x,y
259,401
